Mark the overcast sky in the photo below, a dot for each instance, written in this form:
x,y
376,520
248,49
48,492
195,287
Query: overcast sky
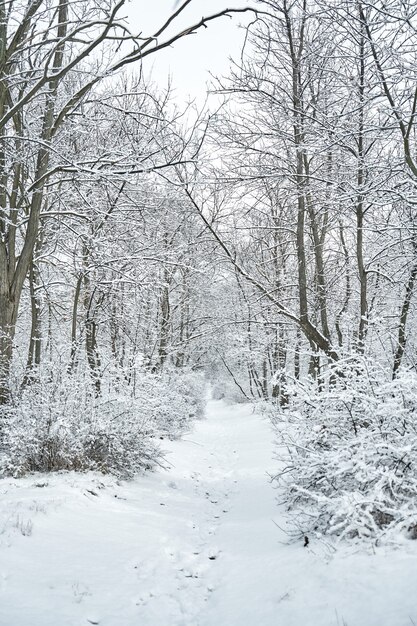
x,y
189,61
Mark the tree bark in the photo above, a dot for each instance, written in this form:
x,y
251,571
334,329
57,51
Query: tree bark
x,y
402,338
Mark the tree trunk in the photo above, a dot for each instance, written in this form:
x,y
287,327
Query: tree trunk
x,y
8,314
165,316
73,355
35,342
360,211
402,339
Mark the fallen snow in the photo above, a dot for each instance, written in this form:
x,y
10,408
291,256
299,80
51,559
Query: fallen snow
x,y
194,546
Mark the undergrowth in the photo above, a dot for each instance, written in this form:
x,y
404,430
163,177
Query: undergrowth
x,y
349,454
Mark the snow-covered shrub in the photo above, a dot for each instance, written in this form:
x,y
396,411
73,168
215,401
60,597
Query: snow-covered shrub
x,y
179,399
58,423
350,454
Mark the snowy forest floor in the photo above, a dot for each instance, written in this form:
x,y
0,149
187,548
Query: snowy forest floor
x,y
195,546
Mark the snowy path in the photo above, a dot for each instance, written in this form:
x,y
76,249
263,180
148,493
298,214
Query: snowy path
x,y
195,546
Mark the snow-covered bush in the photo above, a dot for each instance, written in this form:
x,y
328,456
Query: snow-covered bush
x,y
58,423
350,454
180,400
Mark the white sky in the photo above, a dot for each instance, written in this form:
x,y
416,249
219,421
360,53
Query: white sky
x,y
189,61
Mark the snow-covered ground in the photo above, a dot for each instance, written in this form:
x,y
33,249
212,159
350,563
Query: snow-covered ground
x,y
194,546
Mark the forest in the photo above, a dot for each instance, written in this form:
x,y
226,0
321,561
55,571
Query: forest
x,y
260,248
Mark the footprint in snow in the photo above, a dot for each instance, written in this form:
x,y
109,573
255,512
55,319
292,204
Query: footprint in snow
x,y
214,554
144,598
80,591
189,573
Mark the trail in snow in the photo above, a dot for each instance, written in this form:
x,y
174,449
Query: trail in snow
x,y
194,546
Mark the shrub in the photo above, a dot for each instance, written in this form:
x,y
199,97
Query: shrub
x,y
350,454
58,424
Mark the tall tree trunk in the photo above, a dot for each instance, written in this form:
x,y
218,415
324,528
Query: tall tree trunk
x,y
402,338
345,305
35,341
8,315
165,322
360,210
91,329
318,236
74,347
